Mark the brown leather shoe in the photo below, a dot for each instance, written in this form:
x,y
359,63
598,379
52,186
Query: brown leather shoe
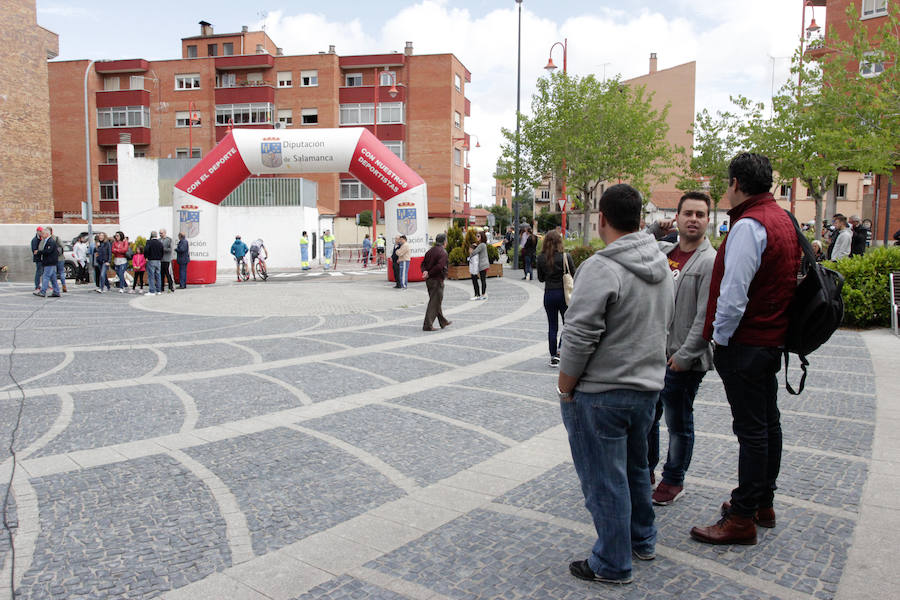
x,y
731,529
764,517
447,324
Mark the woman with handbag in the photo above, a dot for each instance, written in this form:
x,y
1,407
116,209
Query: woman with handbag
x,y
555,268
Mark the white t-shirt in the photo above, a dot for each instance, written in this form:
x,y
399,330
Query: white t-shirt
x,y
257,246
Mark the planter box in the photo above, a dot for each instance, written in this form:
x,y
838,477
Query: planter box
x,y
462,271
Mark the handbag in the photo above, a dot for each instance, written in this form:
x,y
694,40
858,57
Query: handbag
x,y
567,279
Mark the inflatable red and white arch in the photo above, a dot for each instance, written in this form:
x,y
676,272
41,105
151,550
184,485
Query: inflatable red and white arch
x,y
270,151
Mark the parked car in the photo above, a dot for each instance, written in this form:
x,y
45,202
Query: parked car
x,y
71,263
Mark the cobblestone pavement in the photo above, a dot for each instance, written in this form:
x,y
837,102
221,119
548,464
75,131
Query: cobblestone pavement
x,y
309,441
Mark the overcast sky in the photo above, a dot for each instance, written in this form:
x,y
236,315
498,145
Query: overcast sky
x,y
733,42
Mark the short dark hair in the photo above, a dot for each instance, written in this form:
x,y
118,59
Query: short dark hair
x,y
621,205
440,238
752,171
304,233
402,237
840,217
695,196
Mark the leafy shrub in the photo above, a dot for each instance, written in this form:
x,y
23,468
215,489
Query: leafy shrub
x,y
866,294
454,238
458,256
493,254
580,254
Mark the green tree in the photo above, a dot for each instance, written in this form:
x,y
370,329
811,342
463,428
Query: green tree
x,y
715,144
548,220
590,132
502,215
365,218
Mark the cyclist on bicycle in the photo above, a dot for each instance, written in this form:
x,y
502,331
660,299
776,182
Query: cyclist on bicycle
x,y
255,248
239,251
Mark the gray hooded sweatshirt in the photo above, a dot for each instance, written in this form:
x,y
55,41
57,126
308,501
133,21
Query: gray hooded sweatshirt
x,y
618,318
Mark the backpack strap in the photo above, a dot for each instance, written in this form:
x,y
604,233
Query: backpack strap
x,y
803,364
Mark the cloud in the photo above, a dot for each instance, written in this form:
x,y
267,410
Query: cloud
x,y
731,41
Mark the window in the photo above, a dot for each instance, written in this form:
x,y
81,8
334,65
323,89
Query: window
x,y
395,146
257,113
309,116
111,157
140,153
456,193
189,81
136,82
226,80
212,49
309,78
228,49
457,120
351,189
387,78
109,190
873,66
286,116
123,116
182,117
192,51
357,114
457,156
390,112
353,79
457,82
183,153
873,8
111,84
254,78
785,191
840,190
284,79
545,194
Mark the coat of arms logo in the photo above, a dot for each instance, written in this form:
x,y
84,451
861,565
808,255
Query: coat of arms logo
x,y
406,218
189,221
270,149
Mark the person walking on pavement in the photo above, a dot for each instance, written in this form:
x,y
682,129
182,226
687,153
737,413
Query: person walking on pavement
x,y
50,258
689,355
182,257
395,264
403,257
103,254
753,282
153,252
328,248
37,258
550,270
304,252
529,249
165,266
434,270
610,373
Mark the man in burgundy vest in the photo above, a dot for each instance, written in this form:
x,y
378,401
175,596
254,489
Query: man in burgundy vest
x,y
753,281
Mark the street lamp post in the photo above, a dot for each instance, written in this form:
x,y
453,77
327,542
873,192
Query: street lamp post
x,y
518,129
89,205
813,28
393,94
550,68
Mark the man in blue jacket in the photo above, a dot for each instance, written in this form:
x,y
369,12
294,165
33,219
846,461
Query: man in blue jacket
x,y
238,250
36,257
182,257
49,253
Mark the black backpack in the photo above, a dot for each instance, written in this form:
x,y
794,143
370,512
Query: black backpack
x,y
816,310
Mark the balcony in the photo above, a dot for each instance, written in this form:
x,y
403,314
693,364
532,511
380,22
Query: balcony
x,y
468,109
108,172
366,93
133,65
245,61
123,98
110,136
466,175
222,130
245,94
395,59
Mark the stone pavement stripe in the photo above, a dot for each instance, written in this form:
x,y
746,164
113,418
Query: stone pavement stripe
x,y
26,531
236,530
63,419
769,587
803,449
871,569
161,362
187,401
215,587
256,356
423,358
68,357
407,589
509,442
280,577
800,414
300,394
407,484
383,378
504,393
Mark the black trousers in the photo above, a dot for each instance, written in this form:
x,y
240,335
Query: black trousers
x,y
165,269
749,374
138,276
483,275
435,298
396,267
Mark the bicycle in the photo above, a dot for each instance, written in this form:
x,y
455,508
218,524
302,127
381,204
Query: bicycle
x,y
245,271
261,269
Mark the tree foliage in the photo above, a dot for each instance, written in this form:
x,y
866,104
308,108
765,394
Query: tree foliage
x,y
590,132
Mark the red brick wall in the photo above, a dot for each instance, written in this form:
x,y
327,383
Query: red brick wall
x,y
25,176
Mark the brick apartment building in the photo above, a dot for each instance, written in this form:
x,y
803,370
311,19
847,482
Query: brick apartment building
x,y
873,14
244,80
25,190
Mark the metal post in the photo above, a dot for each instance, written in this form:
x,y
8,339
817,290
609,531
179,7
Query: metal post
x,y
518,128
87,166
887,210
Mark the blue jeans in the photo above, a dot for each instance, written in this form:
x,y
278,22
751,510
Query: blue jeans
x,y
104,276
38,272
528,272
153,276
608,438
555,305
676,401
120,273
49,277
182,274
61,272
404,273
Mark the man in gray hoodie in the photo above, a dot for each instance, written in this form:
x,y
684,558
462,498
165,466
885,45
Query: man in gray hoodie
x,y
612,367
690,356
